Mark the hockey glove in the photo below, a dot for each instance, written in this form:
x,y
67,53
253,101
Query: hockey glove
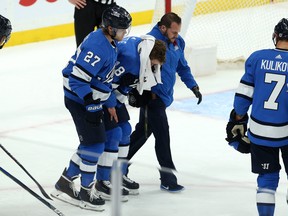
x,y
241,144
137,100
94,112
128,79
197,93
236,127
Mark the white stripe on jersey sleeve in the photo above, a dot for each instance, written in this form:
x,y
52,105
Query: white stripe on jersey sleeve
x,y
81,74
66,83
120,97
245,90
98,94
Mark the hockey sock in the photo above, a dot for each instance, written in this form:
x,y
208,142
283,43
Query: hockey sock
x,y
265,199
88,170
89,157
124,144
122,154
73,170
109,155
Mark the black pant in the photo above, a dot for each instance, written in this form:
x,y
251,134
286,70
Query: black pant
x,y
153,119
87,18
88,133
122,114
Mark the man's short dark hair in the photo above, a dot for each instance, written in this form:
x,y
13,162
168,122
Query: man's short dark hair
x,y
168,18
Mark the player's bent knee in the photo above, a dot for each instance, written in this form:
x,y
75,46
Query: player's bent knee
x,y
113,138
91,152
126,131
268,180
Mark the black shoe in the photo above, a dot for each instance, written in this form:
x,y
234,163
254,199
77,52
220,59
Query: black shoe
x,y
65,190
130,185
173,188
90,200
169,182
103,188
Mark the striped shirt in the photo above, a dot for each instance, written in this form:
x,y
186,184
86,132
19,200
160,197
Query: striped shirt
x,y
106,1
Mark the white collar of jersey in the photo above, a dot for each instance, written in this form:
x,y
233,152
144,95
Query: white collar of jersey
x,y
147,79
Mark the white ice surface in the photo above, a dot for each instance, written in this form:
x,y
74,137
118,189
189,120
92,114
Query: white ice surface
x,y
37,130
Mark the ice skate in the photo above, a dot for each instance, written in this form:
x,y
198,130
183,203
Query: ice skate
x,y
103,188
130,185
66,191
90,200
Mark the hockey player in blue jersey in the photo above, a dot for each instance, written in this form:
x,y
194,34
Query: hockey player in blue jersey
x,y
5,30
138,66
264,89
87,85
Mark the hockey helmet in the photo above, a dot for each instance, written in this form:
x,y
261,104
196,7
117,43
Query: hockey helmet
x,y
5,29
116,17
280,31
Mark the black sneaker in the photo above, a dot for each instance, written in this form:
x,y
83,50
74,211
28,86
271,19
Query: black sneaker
x,y
173,188
169,182
130,185
103,188
90,200
65,190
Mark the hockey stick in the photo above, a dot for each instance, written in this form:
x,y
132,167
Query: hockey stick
x,y
39,186
31,192
146,121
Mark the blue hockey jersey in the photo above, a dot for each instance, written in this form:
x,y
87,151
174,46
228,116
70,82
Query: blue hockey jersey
x,y
91,68
128,61
264,86
175,62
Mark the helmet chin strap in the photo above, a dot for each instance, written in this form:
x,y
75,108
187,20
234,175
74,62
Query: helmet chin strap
x,y
114,32
113,35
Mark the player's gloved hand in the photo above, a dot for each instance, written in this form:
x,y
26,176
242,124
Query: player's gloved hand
x,y
134,98
137,100
128,79
197,93
241,144
236,127
94,112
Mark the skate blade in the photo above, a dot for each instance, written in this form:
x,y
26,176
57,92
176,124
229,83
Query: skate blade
x,y
133,192
107,197
88,206
65,198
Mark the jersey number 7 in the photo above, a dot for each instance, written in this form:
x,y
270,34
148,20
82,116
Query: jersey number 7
x,y
280,82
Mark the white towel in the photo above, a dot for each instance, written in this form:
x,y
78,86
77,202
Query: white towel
x,y
147,78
